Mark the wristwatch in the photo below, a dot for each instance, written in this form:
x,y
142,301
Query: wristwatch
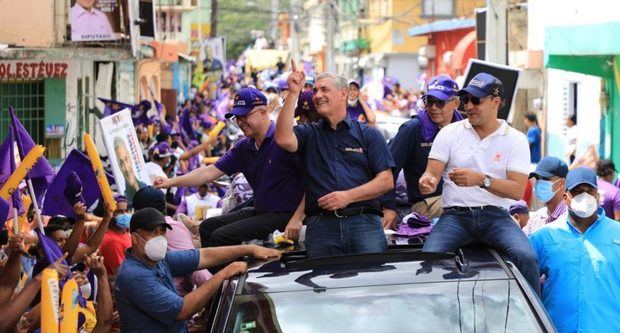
x,y
486,182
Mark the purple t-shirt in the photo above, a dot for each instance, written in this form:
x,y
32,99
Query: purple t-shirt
x,y
273,173
610,196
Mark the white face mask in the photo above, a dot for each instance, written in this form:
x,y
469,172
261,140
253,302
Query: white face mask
x,y
584,205
156,248
86,290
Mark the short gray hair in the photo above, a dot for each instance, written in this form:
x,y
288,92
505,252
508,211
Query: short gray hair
x,y
339,81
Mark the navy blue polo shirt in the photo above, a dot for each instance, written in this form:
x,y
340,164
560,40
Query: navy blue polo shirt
x,y
273,173
341,159
410,152
145,295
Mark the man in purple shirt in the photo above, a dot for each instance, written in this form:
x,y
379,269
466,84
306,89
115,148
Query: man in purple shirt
x,y
610,194
273,173
89,23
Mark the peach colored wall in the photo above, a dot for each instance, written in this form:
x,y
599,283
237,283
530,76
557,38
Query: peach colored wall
x,y
27,23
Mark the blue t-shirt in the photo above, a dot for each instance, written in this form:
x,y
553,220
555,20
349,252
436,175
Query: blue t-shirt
x,y
341,159
581,291
145,295
534,139
273,173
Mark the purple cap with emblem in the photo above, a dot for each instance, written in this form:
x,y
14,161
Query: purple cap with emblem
x,y
305,105
246,99
73,190
442,87
161,150
483,85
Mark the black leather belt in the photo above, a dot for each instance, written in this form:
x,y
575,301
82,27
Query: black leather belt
x,y
472,208
346,212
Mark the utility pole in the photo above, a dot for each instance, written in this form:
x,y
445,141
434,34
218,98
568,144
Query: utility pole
x,y
294,43
496,32
213,18
275,8
329,52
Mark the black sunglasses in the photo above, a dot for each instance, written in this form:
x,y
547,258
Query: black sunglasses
x,y
473,99
429,101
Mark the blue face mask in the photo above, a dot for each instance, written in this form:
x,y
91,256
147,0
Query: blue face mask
x,y
122,221
544,190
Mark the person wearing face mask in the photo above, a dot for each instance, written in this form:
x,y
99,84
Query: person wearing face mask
x,y
550,175
357,105
579,257
145,294
116,240
412,144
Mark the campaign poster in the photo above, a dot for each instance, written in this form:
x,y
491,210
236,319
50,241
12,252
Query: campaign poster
x,y
95,20
509,77
124,153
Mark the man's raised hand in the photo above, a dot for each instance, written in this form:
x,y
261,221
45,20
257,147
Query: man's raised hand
x,y
296,80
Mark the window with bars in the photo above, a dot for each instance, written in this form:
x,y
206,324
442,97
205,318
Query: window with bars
x,y
28,100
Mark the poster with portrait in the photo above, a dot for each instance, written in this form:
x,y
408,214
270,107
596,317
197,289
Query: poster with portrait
x,y
509,77
124,152
95,20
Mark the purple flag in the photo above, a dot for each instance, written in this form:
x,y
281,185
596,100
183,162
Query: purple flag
x,y
112,107
41,173
159,107
56,201
51,253
139,113
4,212
7,167
186,126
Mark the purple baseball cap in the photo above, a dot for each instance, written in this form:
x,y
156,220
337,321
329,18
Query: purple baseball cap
x,y
483,85
246,99
161,150
73,189
305,105
519,207
281,83
442,87
354,82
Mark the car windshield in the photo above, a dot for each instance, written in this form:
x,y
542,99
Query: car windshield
x,y
472,306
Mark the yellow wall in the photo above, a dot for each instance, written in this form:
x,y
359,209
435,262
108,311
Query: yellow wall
x,y
406,13
32,27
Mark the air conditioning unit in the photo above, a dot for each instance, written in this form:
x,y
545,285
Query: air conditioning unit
x,y
428,51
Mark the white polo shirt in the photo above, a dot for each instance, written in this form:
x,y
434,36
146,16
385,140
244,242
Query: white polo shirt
x,y
459,146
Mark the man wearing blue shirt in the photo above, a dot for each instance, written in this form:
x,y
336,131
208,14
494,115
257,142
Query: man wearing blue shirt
x,y
346,166
272,172
579,259
145,294
412,144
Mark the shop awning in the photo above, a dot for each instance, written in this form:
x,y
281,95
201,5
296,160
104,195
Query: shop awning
x,y
444,25
586,49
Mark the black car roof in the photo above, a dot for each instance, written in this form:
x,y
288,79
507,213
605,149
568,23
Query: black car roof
x,y
397,266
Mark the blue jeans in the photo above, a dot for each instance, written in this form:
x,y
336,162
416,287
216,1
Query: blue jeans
x,y
492,226
331,235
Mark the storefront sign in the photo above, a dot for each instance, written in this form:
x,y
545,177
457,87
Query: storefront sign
x,y
33,70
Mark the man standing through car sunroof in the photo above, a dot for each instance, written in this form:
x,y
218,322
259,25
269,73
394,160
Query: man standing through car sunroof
x,y
484,164
346,165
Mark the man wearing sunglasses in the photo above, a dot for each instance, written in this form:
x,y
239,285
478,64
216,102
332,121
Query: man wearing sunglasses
x,y
273,174
485,165
412,144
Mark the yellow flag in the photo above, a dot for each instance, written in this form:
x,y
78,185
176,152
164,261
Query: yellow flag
x,y
69,305
95,160
50,298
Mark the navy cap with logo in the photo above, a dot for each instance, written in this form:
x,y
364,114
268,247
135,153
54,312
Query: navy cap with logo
x,y
246,99
550,166
483,85
442,87
147,219
581,175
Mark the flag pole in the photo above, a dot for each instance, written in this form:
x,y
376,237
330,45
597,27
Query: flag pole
x,y
15,221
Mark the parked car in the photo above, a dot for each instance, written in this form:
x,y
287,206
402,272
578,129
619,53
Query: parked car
x,y
401,290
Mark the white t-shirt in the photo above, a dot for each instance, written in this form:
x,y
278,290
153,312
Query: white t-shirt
x,y
195,201
459,146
